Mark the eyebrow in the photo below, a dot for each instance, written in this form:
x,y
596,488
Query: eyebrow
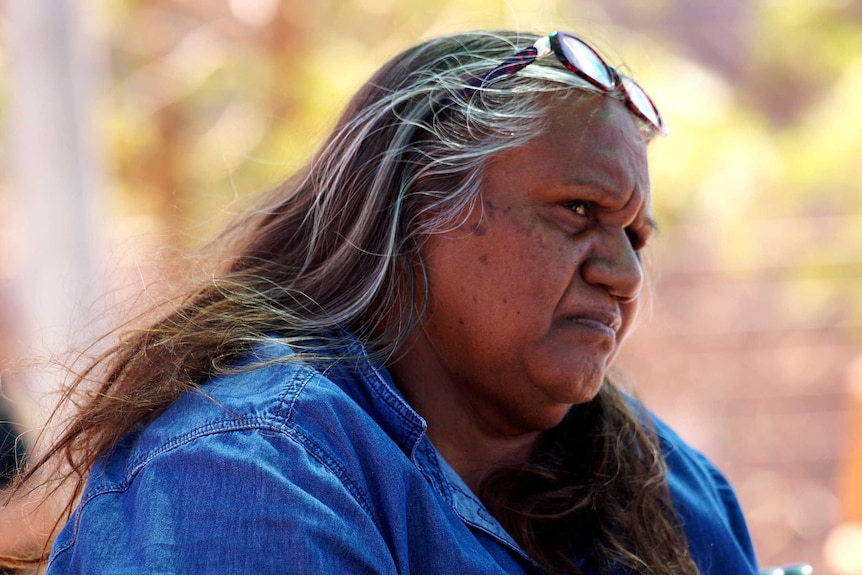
x,y
604,185
649,220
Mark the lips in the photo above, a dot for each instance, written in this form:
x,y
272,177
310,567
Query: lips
x,y
601,320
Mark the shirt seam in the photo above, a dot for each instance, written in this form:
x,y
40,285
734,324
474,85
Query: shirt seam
x,y
318,453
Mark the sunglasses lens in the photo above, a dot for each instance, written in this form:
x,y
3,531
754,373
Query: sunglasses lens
x,y
587,61
641,101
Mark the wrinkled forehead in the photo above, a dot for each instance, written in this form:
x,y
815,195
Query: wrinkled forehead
x,y
596,137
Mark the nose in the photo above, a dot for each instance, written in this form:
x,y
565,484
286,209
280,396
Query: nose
x,y
613,264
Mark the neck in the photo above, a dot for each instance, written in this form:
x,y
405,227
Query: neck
x,y
474,457
471,443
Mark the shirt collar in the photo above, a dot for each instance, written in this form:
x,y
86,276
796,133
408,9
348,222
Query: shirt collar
x,y
409,429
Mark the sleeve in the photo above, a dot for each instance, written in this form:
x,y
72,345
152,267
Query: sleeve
x,y
246,501
708,509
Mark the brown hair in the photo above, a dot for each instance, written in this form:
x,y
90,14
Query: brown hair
x,y
595,488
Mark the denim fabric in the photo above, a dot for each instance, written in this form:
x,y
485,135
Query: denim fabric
x,y
284,469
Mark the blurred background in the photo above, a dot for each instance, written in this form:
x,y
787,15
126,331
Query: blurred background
x,y
131,130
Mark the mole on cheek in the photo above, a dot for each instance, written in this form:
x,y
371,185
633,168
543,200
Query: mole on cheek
x,y
478,229
483,258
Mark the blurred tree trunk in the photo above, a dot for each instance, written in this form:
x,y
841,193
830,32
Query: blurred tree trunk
x,y
54,183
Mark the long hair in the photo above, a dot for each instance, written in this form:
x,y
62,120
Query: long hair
x,y
337,249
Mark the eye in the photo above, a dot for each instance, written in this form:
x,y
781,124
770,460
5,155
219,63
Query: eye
x,y
580,208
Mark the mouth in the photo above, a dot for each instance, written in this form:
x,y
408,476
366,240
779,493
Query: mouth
x,y
608,323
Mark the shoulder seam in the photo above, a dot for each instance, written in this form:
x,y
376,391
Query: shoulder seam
x,y
305,442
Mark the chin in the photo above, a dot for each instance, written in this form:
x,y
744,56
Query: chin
x,y
585,392
559,400
574,384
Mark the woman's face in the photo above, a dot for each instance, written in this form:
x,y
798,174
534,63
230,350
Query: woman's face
x,y
532,295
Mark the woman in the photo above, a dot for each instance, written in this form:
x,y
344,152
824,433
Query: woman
x,y
401,365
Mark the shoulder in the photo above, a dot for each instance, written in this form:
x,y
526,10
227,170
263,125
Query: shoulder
x,y
251,457
683,460
220,503
258,397
707,506
323,409
267,418
690,472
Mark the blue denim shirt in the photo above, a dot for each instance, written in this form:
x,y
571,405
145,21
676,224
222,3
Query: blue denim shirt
x,y
284,469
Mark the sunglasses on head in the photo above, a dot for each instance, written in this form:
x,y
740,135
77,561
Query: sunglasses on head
x,y
583,61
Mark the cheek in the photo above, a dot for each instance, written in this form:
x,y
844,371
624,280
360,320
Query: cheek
x,y
506,261
510,277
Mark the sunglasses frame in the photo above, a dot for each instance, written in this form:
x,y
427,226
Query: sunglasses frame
x,y
553,43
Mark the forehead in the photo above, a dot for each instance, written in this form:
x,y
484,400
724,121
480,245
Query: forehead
x,y
591,142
